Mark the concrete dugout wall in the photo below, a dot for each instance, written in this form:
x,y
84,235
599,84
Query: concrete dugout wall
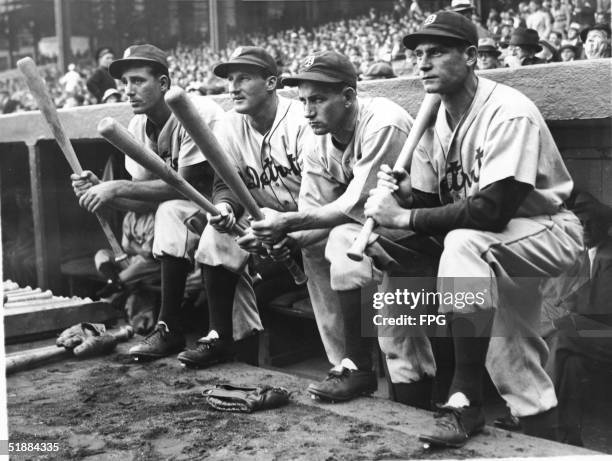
x,y
575,99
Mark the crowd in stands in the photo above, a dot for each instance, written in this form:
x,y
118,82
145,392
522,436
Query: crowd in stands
x,y
537,32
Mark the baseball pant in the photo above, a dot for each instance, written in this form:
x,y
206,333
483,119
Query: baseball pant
x,y
172,236
503,264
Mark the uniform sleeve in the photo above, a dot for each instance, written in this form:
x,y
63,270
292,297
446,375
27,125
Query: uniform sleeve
x,y
318,187
489,209
382,146
511,150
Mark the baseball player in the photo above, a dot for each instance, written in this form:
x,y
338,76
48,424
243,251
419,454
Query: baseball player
x,y
144,71
489,178
355,136
264,136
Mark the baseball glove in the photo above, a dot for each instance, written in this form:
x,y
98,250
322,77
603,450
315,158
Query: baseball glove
x,y
77,334
225,397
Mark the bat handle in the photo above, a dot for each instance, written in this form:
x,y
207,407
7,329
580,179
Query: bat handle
x,y
355,252
296,272
120,256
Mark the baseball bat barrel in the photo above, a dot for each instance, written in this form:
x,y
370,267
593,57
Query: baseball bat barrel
x,y
47,108
428,109
186,112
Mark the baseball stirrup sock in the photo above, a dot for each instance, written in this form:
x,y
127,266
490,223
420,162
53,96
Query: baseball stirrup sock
x,y
173,278
356,347
471,343
220,289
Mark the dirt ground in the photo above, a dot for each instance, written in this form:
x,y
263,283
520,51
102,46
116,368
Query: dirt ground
x,y
113,408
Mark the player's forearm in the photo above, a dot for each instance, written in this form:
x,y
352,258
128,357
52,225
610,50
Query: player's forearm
x,y
154,190
325,217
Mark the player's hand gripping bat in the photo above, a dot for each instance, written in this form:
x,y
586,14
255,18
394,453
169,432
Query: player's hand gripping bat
x,y
428,108
47,108
187,114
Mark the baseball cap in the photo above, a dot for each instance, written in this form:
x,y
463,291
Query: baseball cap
x,y
444,24
379,70
247,55
603,27
110,92
461,5
138,54
326,67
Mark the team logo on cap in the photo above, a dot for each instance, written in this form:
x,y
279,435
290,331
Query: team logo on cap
x,y
237,52
430,19
309,61
127,53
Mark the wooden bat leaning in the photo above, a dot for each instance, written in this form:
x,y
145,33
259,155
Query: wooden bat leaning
x,y
428,108
187,114
47,108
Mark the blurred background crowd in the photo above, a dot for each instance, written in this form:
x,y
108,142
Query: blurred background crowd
x,y
538,32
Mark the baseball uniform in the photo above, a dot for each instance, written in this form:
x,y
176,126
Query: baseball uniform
x,y
502,136
270,165
344,177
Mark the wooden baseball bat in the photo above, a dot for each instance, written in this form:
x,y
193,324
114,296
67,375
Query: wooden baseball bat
x,y
47,108
34,357
122,139
428,109
188,115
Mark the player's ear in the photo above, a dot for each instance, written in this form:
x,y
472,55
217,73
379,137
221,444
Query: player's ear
x,y
271,82
164,81
349,94
471,55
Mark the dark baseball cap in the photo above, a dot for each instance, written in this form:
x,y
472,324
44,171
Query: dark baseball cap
x,y
325,67
139,54
247,55
603,27
444,24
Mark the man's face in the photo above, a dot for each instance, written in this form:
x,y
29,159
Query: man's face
x,y
442,69
567,55
596,44
106,59
521,52
487,60
325,109
572,33
145,92
248,89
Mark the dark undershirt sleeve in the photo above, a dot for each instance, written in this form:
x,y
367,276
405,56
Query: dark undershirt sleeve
x,y
489,209
222,193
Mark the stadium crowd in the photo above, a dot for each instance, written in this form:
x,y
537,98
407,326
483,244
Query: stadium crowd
x,y
537,32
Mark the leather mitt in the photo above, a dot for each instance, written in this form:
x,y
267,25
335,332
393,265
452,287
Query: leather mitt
x,y
225,397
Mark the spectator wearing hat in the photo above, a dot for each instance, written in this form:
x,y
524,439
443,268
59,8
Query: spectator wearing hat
x,y
524,44
573,36
548,53
488,54
354,136
101,80
379,71
596,41
112,95
488,132
144,71
568,53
